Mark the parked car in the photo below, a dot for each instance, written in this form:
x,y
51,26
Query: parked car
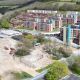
x,y
37,44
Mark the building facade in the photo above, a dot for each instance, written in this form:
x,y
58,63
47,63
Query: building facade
x,y
43,20
70,34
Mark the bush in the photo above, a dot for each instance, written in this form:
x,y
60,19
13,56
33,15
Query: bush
x,y
5,23
48,0
40,38
75,69
75,64
56,71
70,60
67,7
73,60
57,51
78,2
29,36
21,75
66,52
22,52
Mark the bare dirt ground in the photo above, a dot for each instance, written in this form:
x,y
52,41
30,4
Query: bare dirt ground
x,y
38,58
8,63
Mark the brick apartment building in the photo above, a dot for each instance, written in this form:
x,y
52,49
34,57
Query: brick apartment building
x,y
70,34
43,20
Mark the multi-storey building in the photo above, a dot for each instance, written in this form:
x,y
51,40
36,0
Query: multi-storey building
x,y
43,20
70,34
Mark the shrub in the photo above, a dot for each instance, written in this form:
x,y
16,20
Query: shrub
x,y
78,2
75,64
75,69
21,75
56,71
66,52
5,23
40,38
22,52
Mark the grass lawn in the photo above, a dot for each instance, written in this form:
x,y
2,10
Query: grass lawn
x,y
76,69
21,75
42,69
55,30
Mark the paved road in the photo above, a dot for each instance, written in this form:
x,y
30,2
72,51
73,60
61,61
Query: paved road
x,y
40,76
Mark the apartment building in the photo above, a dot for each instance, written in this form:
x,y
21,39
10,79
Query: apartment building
x,y
43,20
42,11
70,34
40,24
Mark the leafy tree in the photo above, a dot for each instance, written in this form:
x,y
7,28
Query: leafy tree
x,y
26,41
74,64
73,60
56,71
5,24
53,48
40,38
78,2
24,46
48,0
70,60
22,52
67,7
14,14
56,6
29,36
66,52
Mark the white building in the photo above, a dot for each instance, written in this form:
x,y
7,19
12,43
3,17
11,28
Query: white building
x,y
42,11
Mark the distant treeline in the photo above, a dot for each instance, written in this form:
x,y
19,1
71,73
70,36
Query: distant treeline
x,y
68,7
78,2
58,0
3,9
64,7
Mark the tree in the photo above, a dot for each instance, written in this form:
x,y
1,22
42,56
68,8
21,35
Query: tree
x,y
56,71
40,38
66,52
56,6
70,60
5,24
53,48
30,37
22,52
27,43
75,66
67,7
24,45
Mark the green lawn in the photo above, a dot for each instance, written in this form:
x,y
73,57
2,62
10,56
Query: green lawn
x,y
21,75
55,30
75,69
42,69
